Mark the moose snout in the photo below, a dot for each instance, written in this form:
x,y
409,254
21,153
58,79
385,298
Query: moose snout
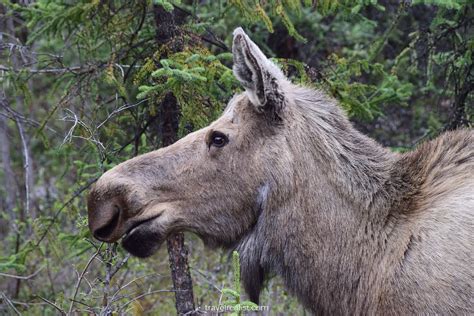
x,y
106,216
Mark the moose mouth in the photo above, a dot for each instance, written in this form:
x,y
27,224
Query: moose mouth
x,y
143,239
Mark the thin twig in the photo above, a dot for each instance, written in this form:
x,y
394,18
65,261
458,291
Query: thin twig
x,y
143,295
82,303
91,288
68,136
78,70
26,165
214,40
76,289
119,265
27,305
205,279
9,302
113,299
75,70
75,195
14,115
72,117
21,277
110,253
52,304
120,109
138,134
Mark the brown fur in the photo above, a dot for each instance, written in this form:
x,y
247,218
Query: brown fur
x,y
350,226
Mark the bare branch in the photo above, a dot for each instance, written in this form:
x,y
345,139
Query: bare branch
x,y
143,295
213,40
82,303
9,302
78,70
21,277
113,299
75,195
120,109
13,115
59,309
76,288
205,278
68,136
110,254
72,117
26,165
74,70
119,265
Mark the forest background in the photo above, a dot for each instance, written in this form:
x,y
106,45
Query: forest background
x,y
85,85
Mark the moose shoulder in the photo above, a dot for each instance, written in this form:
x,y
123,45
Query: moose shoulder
x,y
284,178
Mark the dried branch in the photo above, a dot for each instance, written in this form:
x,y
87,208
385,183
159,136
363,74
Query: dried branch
x,y
77,70
26,165
82,303
76,288
25,120
119,265
8,174
72,117
459,117
74,196
114,296
68,136
110,254
120,109
138,134
15,115
205,279
214,40
21,277
9,302
59,309
143,295
74,70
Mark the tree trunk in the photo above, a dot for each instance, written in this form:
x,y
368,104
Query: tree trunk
x,y
168,33
15,28
460,117
8,176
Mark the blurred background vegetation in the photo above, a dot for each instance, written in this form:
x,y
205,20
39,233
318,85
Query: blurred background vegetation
x,y
85,85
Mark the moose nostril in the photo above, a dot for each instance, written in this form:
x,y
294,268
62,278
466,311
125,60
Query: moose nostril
x,y
106,230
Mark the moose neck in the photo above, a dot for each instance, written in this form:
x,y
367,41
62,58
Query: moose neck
x,y
325,234
354,171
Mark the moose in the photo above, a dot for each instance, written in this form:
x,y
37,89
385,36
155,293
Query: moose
x,y
286,180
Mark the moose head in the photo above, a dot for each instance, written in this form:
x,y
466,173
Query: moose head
x,y
279,177
213,182
268,178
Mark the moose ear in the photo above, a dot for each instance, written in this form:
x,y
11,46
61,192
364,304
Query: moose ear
x,y
261,78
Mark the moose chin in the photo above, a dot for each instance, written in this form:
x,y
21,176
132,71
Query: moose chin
x,y
142,241
284,178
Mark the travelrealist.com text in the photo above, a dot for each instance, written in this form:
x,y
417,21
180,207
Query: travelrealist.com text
x,y
231,308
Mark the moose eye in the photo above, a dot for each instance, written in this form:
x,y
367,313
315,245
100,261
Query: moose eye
x,y
218,139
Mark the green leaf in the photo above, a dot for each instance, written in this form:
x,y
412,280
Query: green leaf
x,y
231,293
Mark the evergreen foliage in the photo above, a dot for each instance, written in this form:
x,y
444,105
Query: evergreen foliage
x,y
234,301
